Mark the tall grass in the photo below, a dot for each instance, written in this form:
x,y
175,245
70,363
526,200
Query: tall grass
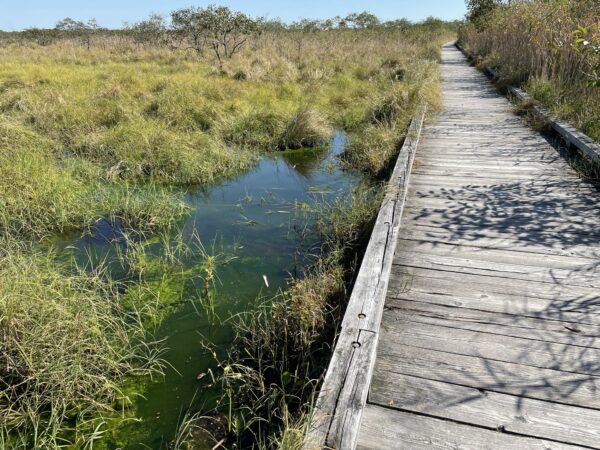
x,y
533,43
117,131
67,342
44,192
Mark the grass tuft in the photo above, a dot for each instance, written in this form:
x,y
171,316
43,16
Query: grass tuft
x,y
66,344
305,128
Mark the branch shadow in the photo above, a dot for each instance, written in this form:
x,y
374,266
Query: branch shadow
x,y
493,309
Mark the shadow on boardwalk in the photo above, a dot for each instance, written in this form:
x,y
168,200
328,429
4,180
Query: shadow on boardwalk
x,y
563,336
492,317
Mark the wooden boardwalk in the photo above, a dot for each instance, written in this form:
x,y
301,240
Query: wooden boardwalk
x,y
490,335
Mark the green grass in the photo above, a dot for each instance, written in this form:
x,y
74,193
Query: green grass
x,y
304,127
118,131
44,191
67,343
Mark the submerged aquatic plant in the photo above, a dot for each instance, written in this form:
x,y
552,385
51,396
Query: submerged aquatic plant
x,y
282,344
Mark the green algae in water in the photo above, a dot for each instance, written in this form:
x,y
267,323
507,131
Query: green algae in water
x,y
256,225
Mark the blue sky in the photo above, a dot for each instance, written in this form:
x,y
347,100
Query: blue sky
x,y
19,14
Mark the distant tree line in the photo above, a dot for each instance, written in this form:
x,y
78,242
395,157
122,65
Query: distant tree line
x,y
217,29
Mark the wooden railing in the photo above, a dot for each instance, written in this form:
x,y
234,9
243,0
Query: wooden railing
x,y
343,395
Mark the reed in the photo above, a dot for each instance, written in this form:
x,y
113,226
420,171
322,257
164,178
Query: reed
x,y
535,44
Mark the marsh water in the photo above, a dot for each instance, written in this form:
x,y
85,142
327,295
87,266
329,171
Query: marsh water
x,y
261,219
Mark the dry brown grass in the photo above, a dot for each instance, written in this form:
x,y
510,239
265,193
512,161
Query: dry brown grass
x,y
533,43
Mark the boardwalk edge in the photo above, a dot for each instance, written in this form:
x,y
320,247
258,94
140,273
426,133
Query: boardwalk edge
x,y
569,133
336,418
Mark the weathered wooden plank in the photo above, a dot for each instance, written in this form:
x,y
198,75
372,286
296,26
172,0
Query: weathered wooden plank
x,y
491,346
547,217
497,175
368,295
541,289
564,304
481,200
339,407
334,423
557,386
464,147
503,195
536,328
551,187
543,244
457,215
474,158
500,167
514,414
578,242
387,429
587,278
503,255
572,315
572,135
526,227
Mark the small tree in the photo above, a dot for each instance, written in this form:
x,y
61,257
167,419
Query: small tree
x,y
152,30
217,27
78,29
362,20
478,10
186,25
